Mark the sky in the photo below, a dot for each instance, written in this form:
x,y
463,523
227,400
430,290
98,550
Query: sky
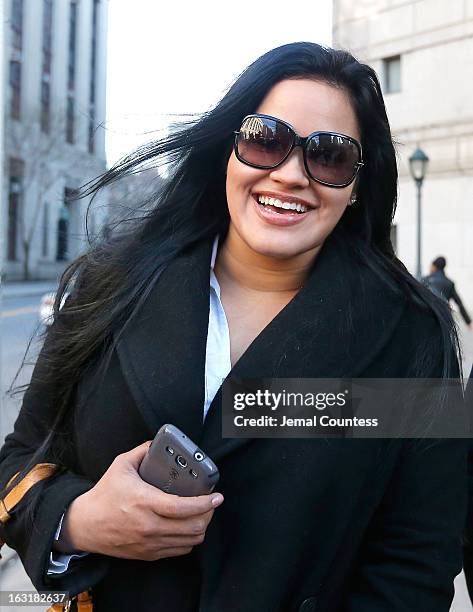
x,y
173,58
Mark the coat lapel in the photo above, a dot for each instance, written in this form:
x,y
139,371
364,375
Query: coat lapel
x,y
334,327
162,352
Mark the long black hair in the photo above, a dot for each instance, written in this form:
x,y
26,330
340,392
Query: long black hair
x,y
116,275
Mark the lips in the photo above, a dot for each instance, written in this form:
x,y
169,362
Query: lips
x,y
284,197
269,215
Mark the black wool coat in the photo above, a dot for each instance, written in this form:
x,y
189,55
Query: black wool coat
x,y
468,541
326,525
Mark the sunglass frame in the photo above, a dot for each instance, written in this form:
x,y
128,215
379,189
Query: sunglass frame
x,y
303,142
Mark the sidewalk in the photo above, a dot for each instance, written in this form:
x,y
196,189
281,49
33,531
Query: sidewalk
x,y
16,289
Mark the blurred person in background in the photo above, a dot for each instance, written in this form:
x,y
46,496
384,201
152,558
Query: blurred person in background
x,y
268,255
439,283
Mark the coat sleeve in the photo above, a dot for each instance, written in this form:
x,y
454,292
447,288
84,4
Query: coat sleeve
x,y
411,552
468,539
31,528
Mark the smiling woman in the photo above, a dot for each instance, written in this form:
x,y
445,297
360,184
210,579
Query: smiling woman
x,y
308,105
267,255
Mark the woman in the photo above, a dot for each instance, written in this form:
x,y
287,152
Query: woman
x,y
297,524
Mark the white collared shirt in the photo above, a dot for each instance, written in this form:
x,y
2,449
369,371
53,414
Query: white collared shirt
x,y
217,367
217,354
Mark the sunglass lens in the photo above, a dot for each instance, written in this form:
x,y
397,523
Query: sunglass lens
x,y
263,142
332,159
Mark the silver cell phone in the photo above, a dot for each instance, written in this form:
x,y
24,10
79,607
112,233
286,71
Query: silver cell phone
x,y
176,465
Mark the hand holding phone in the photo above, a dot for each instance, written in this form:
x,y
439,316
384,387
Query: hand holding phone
x,y
124,516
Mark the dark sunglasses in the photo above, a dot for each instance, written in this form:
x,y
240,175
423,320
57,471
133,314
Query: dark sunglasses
x,y
330,158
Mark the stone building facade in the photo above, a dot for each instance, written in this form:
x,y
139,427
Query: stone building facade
x,y
54,105
422,51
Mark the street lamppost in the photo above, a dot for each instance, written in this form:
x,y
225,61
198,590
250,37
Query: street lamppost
x,y
418,163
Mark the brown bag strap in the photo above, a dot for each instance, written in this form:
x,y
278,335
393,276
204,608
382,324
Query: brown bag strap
x,y
36,474
83,603
39,472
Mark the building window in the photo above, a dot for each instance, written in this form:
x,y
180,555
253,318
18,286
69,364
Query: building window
x,y
70,120
45,241
13,213
47,35
46,64
63,225
71,71
16,25
91,131
15,89
93,70
392,74
45,106
62,235
15,191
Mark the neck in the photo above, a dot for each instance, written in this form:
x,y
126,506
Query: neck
x,y
238,263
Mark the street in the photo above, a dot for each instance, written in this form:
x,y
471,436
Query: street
x,y
17,324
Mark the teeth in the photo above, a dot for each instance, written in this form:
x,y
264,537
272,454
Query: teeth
x,y
278,204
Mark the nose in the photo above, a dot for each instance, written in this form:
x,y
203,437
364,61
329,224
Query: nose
x,y
292,171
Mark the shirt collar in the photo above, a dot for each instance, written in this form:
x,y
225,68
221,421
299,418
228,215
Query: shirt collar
x,y
213,279
214,251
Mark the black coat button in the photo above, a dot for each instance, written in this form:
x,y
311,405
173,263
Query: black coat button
x,y
308,605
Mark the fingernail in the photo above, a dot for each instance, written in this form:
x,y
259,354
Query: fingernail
x,y
217,499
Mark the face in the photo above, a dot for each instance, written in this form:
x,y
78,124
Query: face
x,y
308,106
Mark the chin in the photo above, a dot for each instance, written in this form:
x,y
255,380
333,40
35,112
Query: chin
x,y
282,249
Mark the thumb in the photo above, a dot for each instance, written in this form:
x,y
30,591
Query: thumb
x,y
136,455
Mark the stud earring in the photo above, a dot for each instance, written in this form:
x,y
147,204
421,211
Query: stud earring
x,y
352,200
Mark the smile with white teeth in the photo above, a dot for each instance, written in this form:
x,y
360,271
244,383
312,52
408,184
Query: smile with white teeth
x,y
300,208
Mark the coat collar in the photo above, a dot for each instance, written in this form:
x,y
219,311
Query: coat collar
x,y
334,327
